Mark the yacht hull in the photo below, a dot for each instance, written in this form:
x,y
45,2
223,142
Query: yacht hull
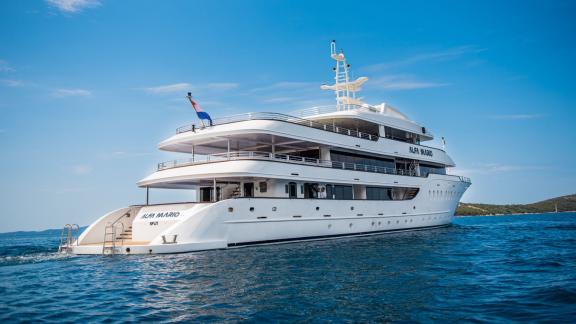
x,y
188,227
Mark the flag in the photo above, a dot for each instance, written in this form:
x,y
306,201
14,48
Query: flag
x,y
201,114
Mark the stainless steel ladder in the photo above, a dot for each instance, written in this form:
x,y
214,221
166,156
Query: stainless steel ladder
x,y
111,236
68,236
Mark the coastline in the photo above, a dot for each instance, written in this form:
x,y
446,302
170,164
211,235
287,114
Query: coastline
x,y
517,214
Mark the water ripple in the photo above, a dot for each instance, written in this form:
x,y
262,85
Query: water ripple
x,y
482,269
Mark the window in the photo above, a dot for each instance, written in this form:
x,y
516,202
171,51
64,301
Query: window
x,y
378,193
400,135
263,186
347,161
426,169
390,193
343,192
292,190
330,191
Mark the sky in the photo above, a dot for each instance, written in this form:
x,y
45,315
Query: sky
x,y
88,88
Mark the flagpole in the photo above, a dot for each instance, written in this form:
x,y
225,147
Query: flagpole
x,y
190,99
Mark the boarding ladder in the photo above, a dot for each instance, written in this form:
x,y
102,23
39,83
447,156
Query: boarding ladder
x,y
68,237
115,234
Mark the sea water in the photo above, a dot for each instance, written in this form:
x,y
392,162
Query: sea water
x,y
487,269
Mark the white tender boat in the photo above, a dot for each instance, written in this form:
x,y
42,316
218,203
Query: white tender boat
x,y
325,172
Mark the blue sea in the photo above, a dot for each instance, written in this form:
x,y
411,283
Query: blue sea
x,y
481,269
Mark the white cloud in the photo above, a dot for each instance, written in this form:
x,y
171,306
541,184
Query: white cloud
x,y
288,85
122,155
492,168
292,95
517,116
278,100
5,67
73,6
444,55
188,87
81,169
222,86
12,83
169,88
402,82
62,93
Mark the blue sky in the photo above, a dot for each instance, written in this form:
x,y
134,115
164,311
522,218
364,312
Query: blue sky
x,y
88,88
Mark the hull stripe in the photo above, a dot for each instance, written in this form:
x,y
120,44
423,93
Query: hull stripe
x,y
327,237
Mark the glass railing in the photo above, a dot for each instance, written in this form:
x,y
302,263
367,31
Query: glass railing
x,y
284,158
249,155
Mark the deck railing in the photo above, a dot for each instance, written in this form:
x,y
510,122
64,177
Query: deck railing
x,y
284,158
320,110
283,118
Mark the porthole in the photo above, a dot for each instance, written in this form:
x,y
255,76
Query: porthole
x,y
350,225
317,208
273,208
251,209
373,223
379,223
230,209
329,225
397,222
388,222
351,207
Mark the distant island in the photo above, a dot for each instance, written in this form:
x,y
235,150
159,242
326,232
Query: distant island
x,y
560,204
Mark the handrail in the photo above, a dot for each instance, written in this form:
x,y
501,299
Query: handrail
x,y
67,237
249,155
320,110
114,224
464,179
284,118
298,121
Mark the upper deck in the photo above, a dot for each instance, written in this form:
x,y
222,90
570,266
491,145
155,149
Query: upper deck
x,y
355,130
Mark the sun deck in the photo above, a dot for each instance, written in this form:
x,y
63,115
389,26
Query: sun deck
x,y
283,118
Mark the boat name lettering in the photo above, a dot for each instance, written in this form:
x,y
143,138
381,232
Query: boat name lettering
x,y
160,215
421,151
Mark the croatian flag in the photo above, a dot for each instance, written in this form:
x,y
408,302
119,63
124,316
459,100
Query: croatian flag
x,y
201,114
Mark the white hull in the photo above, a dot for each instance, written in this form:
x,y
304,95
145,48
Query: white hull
x,y
246,221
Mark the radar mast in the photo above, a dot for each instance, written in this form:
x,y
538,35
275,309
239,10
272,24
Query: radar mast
x,y
344,89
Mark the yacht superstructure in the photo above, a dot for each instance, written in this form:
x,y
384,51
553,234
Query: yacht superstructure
x,y
347,169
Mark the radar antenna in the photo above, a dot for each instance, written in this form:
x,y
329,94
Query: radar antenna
x,y
344,89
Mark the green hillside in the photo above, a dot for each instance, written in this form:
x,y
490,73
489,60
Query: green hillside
x,y
564,203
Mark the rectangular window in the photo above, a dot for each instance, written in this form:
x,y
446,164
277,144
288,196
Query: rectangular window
x,y
343,192
425,170
329,191
263,186
351,161
378,193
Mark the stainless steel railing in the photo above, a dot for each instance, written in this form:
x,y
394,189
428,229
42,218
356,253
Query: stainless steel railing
x,y
283,118
320,110
243,155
